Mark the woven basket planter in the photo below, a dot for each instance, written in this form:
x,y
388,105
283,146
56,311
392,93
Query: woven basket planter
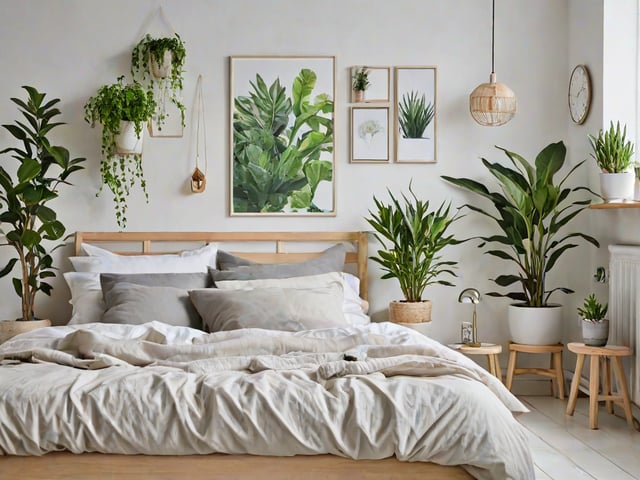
x,y
410,312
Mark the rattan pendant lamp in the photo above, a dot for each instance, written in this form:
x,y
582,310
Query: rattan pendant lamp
x,y
492,104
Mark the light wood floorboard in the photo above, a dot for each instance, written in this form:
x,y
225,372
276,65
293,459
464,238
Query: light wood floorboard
x,y
564,447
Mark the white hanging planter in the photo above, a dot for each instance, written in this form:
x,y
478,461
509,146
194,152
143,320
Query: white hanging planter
x,y
128,141
161,70
617,187
535,325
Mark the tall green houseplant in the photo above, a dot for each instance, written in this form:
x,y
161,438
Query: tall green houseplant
x,y
28,223
530,209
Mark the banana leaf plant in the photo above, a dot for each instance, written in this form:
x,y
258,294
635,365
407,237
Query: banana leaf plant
x,y
27,222
277,146
531,210
412,237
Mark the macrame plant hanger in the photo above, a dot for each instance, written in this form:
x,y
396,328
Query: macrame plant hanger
x,y
198,177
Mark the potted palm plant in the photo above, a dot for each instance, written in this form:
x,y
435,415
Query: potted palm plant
x,y
414,115
412,238
161,61
360,83
531,208
613,154
123,110
28,222
595,326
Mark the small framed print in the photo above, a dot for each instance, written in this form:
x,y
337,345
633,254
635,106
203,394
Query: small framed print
x,y
379,89
466,332
416,114
369,134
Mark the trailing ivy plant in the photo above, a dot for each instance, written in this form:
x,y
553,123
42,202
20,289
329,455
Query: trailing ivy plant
x,y
151,49
414,115
113,103
277,144
26,219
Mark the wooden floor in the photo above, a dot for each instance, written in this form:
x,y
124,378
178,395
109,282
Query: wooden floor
x,y
564,448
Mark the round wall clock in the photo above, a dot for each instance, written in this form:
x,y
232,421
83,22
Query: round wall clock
x,y
579,94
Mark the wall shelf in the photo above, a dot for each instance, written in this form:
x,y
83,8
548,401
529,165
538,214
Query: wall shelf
x,y
607,206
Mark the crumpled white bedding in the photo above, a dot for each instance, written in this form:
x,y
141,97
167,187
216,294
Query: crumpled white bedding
x,y
368,391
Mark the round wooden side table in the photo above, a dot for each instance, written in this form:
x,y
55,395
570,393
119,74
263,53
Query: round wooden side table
x,y
491,350
554,372
605,354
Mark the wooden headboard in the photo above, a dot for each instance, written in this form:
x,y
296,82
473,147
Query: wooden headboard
x,y
150,243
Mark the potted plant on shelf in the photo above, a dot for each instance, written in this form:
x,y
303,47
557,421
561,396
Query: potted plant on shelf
x,y
414,115
531,210
612,153
28,222
412,238
161,60
122,109
595,327
360,83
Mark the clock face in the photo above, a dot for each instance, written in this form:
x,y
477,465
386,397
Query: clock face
x,y
579,94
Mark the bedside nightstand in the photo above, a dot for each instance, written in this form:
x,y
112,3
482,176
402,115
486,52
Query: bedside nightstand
x,y
491,350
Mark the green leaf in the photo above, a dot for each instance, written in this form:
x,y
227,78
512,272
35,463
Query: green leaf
x,y
30,238
8,268
28,170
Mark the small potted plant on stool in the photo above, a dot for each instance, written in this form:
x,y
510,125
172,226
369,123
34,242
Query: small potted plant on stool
x,y
595,327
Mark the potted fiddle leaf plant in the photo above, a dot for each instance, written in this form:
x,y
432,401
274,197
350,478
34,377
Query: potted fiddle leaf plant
x,y
122,109
595,326
531,208
28,222
161,61
613,154
360,83
412,237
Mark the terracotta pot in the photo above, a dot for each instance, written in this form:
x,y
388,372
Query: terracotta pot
x,y
11,328
410,312
358,96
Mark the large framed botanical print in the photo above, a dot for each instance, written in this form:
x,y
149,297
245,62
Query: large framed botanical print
x,y
282,135
416,114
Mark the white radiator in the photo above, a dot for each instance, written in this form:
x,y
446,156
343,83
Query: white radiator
x,y
624,307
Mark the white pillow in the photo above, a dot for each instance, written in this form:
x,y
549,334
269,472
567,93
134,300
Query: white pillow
x,y
86,297
103,261
352,303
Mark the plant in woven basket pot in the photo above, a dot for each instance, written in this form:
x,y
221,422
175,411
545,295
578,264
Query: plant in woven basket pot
x,y
412,237
595,326
28,222
531,208
360,83
613,154
123,109
160,62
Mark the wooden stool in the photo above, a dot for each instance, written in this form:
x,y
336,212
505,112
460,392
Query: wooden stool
x,y
491,350
606,353
554,373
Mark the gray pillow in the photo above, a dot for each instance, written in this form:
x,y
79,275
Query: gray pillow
x,y
186,281
287,309
235,268
128,303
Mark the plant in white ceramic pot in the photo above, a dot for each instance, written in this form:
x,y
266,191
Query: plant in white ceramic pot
x,y
123,109
613,154
28,222
412,238
531,210
595,326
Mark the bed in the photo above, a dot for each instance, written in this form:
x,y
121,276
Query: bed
x,y
349,400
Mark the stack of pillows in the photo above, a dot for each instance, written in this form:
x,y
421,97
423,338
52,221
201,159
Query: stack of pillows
x,y
213,290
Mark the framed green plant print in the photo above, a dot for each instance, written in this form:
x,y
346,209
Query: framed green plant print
x,y
282,135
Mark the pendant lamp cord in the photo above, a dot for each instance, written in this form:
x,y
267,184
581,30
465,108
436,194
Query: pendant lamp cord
x,y
201,116
493,28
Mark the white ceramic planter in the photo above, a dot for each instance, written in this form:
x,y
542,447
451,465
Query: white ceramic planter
x,y
128,141
161,70
535,325
617,187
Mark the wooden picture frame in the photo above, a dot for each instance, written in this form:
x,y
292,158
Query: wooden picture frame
x,y
379,90
298,176
416,114
370,134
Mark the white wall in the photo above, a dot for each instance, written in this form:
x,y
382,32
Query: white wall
x,y
68,48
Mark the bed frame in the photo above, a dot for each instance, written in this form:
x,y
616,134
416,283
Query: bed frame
x,y
96,466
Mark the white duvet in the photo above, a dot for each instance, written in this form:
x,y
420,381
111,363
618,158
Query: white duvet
x,y
369,391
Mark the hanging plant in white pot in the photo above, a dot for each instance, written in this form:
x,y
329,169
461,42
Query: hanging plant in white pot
x,y
123,110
